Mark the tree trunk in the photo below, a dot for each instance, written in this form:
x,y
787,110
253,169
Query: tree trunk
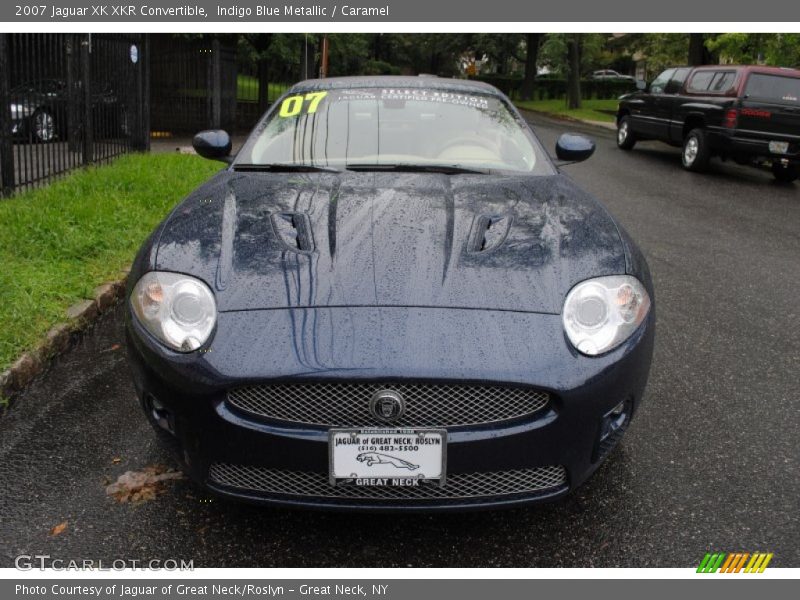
x,y
502,64
309,60
261,43
534,40
574,75
434,63
263,85
698,55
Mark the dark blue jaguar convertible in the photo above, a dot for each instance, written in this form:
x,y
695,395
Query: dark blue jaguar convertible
x,y
392,299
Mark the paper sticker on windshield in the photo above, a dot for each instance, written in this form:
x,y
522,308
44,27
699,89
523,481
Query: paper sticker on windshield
x,y
443,97
293,106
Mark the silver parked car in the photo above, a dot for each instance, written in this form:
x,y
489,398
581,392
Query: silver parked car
x,y
611,74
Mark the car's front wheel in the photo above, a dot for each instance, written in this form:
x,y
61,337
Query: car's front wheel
x,y
626,139
696,153
43,126
785,173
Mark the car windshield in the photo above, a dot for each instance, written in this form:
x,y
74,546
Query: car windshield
x,y
773,87
394,127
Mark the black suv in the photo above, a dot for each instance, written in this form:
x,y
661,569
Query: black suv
x,y
749,114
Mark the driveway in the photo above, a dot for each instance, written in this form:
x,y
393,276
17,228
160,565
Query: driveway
x,y
710,462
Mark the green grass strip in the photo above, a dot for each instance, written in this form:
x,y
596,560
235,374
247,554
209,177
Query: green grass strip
x,y
59,242
591,110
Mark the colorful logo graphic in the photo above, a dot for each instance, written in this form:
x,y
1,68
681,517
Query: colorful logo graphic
x,y
734,562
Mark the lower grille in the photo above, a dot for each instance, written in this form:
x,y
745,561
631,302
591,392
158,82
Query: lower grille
x,y
458,485
347,404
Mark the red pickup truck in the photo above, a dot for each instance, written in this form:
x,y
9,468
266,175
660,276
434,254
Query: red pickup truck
x,y
749,114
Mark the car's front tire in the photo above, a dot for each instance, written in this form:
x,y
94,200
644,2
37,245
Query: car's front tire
x,y
626,139
696,154
785,173
43,127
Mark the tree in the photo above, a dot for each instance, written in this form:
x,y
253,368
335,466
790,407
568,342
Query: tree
x,y
502,49
574,44
260,43
698,53
554,55
434,53
659,50
775,49
349,53
533,42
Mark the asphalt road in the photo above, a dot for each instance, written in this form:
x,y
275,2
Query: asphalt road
x,y
711,462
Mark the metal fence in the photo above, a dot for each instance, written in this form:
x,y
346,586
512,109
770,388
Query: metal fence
x,y
258,86
68,100
211,83
193,83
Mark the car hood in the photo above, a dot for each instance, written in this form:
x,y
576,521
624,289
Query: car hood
x,y
280,240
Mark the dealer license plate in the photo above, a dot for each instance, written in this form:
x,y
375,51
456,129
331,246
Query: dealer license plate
x,y
387,457
779,147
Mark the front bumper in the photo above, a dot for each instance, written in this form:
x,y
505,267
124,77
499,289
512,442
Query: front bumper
x,y
250,458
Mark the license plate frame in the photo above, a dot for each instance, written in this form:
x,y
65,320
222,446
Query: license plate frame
x,y
383,468
776,147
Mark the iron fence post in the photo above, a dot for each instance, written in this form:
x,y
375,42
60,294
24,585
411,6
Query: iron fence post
x,y
6,141
144,95
86,83
73,101
216,85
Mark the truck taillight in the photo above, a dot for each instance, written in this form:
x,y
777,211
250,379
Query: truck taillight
x,y
731,117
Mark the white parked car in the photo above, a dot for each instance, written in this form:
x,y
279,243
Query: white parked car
x,y
610,74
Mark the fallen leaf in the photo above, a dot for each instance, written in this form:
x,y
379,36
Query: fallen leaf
x,y
116,347
141,486
59,529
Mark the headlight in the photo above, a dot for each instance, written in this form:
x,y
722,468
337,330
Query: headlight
x,y
599,314
179,310
20,110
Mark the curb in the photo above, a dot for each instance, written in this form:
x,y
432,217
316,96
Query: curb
x,y
567,119
78,317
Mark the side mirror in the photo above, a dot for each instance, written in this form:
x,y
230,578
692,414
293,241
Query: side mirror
x,y
641,84
214,144
574,148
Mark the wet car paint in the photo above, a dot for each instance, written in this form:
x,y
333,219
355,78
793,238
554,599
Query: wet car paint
x,y
390,276
391,240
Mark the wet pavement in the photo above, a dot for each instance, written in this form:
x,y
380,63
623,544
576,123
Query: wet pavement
x,y
710,462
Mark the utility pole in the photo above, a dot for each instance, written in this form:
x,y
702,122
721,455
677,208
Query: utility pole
x,y
323,61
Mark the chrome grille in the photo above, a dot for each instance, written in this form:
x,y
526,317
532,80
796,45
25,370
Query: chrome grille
x,y
346,404
458,485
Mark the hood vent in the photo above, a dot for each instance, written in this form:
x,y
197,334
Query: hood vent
x,y
293,229
489,232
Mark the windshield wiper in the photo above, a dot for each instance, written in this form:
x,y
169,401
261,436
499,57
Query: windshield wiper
x,y
285,168
409,168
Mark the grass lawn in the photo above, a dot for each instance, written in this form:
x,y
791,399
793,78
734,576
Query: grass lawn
x,y
589,111
59,242
247,89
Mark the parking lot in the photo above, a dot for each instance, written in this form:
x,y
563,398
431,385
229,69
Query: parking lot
x,y
710,462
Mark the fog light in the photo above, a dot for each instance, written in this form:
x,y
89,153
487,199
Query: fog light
x,y
613,421
612,426
160,414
